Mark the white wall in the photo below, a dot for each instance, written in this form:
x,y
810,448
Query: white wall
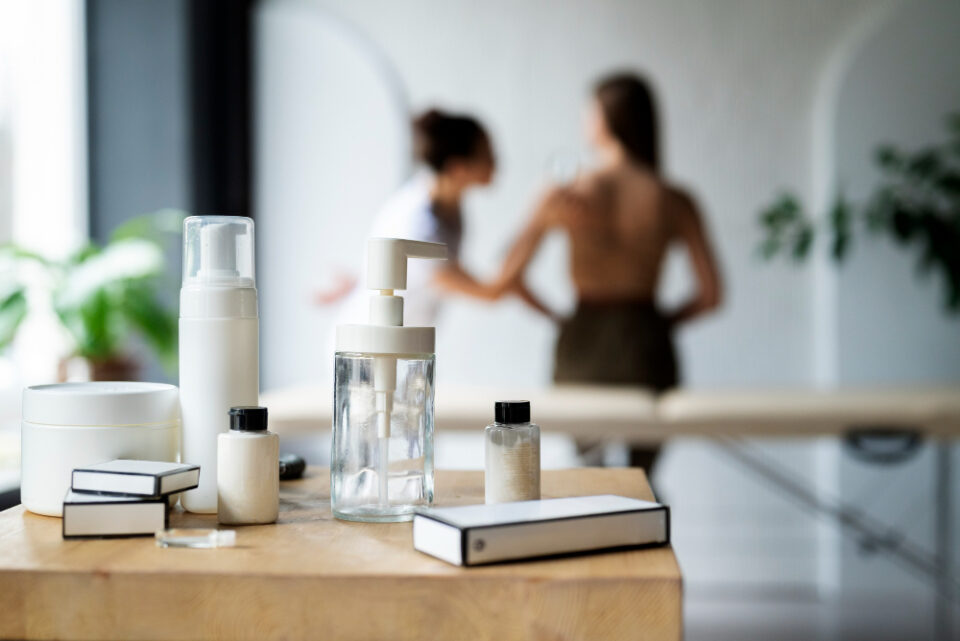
x,y
736,83
332,143
899,89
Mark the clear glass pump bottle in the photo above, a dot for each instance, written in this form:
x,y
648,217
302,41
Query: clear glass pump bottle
x,y
381,465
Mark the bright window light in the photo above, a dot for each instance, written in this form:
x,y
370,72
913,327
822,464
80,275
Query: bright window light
x,y
43,193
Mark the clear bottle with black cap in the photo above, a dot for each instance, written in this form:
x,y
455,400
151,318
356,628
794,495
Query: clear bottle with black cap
x,y
512,445
248,485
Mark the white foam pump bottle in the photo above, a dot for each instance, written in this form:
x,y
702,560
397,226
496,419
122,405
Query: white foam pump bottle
x,y
219,341
369,356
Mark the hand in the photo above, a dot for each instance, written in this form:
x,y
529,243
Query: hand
x,y
520,290
557,318
343,285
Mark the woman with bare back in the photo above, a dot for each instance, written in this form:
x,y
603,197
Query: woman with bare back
x,y
621,218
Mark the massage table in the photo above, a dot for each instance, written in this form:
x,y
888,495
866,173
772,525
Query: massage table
x,y
636,416
882,425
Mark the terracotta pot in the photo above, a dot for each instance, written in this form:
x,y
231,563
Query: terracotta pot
x,y
117,368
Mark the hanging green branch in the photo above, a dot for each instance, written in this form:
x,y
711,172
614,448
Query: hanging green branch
x,y
917,205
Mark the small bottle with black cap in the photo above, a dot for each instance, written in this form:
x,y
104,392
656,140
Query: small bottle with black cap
x,y
248,485
512,445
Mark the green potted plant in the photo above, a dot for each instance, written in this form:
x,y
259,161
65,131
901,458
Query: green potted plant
x,y
917,204
103,296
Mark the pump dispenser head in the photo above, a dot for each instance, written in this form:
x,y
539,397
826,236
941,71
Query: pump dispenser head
x,y
218,251
387,260
387,272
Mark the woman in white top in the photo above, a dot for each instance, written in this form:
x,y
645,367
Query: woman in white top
x,y
457,156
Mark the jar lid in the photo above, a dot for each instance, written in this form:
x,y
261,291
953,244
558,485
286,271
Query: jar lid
x,y
101,403
511,412
248,418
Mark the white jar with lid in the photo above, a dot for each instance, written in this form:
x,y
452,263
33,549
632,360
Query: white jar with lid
x,y
72,425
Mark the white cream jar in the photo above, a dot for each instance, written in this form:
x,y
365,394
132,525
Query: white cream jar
x,y
71,425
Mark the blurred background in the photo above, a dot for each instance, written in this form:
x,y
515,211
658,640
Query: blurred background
x,y
117,118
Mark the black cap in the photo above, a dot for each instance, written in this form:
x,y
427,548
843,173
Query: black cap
x,y
248,419
512,412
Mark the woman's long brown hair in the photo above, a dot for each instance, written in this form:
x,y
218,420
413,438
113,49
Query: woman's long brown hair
x,y
627,103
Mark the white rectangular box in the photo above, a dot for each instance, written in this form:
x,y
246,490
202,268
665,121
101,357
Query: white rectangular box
x,y
479,534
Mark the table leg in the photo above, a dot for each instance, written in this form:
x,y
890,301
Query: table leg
x,y
943,608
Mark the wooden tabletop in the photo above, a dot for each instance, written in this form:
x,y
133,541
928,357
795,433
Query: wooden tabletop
x,y
311,576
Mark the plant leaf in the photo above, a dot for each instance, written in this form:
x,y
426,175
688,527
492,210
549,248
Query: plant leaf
x,y
888,157
144,313
802,243
161,227
917,205
841,223
119,261
13,309
769,248
96,327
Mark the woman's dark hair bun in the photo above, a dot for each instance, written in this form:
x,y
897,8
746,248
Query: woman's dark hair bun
x,y
428,119
439,137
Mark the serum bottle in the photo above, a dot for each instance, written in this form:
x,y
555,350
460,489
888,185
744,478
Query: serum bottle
x,y
512,445
248,478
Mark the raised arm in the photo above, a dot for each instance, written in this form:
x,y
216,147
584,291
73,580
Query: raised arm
x,y
690,231
455,279
510,281
546,214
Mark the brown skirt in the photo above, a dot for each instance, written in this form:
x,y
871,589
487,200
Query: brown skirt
x,y
622,343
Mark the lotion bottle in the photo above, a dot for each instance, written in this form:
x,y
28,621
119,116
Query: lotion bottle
x,y
219,341
248,482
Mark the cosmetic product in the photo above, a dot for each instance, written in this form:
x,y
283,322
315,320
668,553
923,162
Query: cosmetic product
x,y
478,534
124,477
199,538
219,342
72,425
382,452
248,481
87,515
292,467
512,445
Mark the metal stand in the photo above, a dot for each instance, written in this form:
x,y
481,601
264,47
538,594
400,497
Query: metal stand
x,y
877,537
943,612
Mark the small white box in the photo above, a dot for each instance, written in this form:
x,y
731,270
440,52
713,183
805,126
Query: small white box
x,y
490,533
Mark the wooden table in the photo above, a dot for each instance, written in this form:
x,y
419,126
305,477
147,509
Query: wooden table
x,y
310,576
